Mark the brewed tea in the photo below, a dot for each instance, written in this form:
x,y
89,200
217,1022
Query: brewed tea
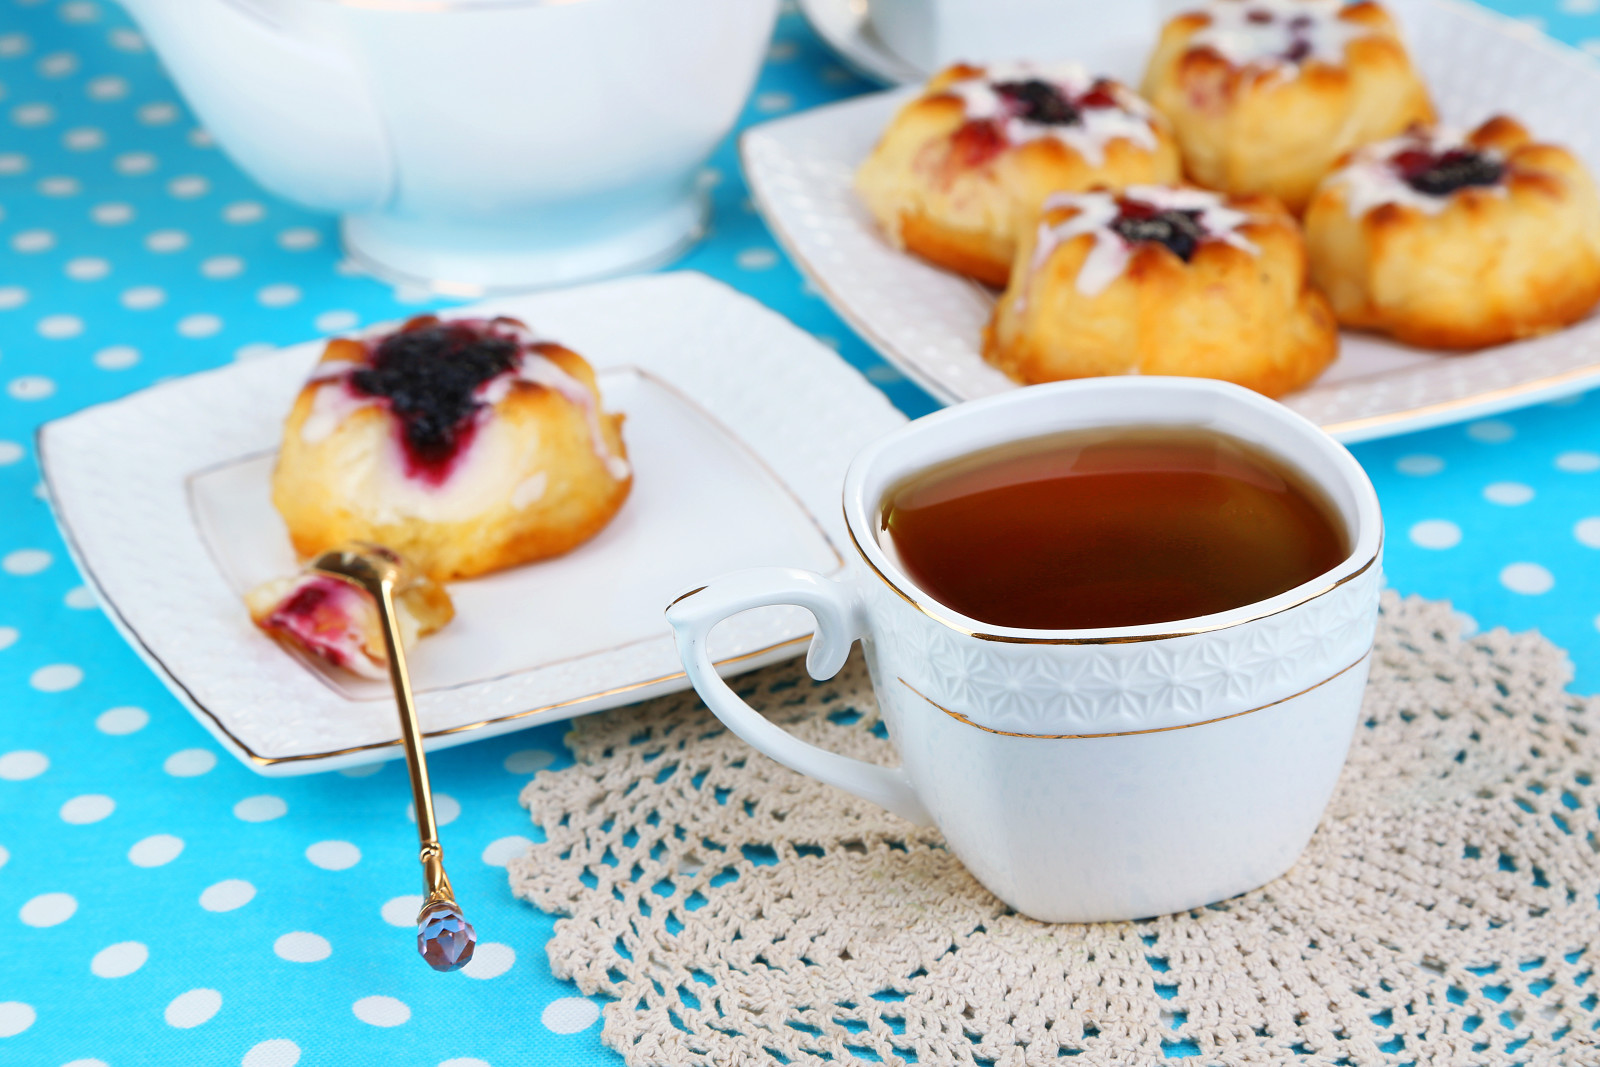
x,y
1105,528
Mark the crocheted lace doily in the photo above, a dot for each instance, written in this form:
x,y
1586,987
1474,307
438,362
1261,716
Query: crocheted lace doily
x,y
737,913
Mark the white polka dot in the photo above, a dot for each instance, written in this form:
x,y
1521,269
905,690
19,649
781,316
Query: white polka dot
x,y
12,296
31,241
402,911
361,770
60,185
263,808
1508,494
155,851
333,855
1491,431
502,851
59,327
569,1015
12,163
15,1017
144,297
227,895
464,1061
86,1063
1578,462
84,139
1436,533
301,947
157,114
337,321
781,51
113,214
202,138
91,807
108,87
80,11
56,678
87,268
33,114
57,64
381,1011
411,293
279,295
190,1009
189,762
8,637
708,178
119,960
350,268
10,452
278,1052
134,164
1587,531
120,721
80,598
757,258
771,102
25,561
23,764
446,809
13,45
31,387
222,267
529,760
117,357
1419,466
126,40
1530,579
188,187
243,211
4,855
883,374
254,350
490,960
201,325
299,238
163,241
48,909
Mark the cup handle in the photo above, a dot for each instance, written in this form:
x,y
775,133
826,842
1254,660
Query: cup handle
x,y
832,604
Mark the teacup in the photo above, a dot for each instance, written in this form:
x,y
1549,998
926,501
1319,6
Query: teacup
x,y
1093,774
931,34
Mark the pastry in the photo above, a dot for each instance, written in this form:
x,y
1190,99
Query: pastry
x,y
1458,241
1265,95
338,622
966,164
1163,280
466,445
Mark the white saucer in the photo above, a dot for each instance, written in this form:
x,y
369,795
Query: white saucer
x,y
843,25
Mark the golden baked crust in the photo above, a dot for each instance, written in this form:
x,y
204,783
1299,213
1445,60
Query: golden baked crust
x,y
542,469
1481,265
1240,308
1274,125
956,189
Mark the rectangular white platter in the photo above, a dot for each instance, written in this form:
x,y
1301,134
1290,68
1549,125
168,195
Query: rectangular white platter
x,y
739,427
928,322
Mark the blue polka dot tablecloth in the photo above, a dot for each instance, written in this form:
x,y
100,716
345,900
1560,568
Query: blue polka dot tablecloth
x,y
159,903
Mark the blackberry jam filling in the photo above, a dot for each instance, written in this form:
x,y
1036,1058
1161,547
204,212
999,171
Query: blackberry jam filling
x,y
1040,102
429,373
1443,173
1179,230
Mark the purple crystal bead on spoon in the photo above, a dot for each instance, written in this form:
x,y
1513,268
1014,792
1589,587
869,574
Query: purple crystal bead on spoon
x,y
444,937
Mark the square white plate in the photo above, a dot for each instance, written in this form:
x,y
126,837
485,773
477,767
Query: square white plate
x,y
739,426
928,321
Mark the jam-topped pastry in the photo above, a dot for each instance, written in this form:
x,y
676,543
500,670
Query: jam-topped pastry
x,y
1452,240
338,622
467,445
1265,95
1163,280
964,168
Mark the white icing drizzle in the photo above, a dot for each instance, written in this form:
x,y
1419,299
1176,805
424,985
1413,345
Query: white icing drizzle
x,y
1266,40
1370,180
1097,127
1109,257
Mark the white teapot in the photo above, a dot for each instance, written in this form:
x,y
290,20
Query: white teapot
x,y
475,145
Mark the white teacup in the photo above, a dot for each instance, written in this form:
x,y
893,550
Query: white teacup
x,y
1094,774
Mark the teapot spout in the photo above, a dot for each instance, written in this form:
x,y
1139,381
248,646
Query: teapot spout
x,y
291,110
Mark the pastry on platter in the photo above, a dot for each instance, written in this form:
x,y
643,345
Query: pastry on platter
x,y
1163,280
1265,95
1451,240
466,445
966,164
338,622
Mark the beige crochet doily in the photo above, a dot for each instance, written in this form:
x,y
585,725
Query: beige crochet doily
x,y
738,913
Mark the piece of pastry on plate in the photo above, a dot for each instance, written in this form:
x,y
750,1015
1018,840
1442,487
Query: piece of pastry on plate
x,y
962,168
466,445
1265,95
338,622
1451,240
1163,280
